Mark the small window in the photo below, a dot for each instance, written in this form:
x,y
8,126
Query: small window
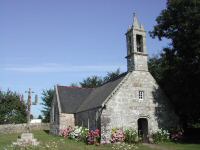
x,y
141,95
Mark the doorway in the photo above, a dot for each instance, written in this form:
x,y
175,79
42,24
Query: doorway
x,y
143,129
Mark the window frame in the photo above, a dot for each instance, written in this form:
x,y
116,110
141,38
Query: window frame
x,y
141,95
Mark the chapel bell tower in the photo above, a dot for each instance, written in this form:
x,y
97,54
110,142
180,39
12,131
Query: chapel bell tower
x,y
136,47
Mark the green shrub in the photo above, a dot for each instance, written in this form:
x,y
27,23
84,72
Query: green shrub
x,y
79,134
131,136
160,136
83,135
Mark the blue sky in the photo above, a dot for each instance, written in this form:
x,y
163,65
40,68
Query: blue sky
x,y
48,42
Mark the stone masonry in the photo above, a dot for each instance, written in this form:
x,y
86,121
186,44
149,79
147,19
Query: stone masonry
x,y
124,109
19,128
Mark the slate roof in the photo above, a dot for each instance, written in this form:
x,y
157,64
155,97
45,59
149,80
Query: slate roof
x,y
71,97
76,99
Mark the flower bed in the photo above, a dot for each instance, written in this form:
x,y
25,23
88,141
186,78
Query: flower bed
x,y
176,135
66,132
82,134
93,137
117,135
161,136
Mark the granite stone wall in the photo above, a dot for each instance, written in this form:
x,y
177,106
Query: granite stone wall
x,y
124,108
19,128
66,120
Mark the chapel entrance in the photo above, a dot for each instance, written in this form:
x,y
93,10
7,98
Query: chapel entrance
x,y
143,129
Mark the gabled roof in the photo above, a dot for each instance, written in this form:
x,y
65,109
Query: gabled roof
x,y
76,99
71,97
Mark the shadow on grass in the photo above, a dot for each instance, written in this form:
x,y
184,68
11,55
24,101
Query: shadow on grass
x,y
191,136
46,131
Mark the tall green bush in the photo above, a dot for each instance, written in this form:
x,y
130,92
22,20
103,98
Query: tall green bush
x,y
131,136
12,109
47,98
161,136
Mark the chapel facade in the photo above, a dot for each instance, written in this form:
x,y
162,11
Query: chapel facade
x,y
132,100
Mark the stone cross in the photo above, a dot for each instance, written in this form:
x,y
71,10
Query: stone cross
x,y
29,104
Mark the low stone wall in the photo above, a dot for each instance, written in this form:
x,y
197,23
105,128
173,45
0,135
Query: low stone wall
x,y
19,128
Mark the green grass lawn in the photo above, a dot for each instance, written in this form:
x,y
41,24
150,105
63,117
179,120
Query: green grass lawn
x,y
54,141
174,146
66,144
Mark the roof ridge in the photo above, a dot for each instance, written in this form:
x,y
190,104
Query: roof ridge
x,y
75,87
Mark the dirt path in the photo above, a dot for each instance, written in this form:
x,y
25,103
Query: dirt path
x,y
156,147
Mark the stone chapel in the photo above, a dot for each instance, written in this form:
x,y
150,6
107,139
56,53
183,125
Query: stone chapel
x,y
132,100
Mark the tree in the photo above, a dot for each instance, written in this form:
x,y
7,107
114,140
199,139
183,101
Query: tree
x,y
95,81
179,63
12,109
74,84
111,75
91,82
40,117
47,98
155,67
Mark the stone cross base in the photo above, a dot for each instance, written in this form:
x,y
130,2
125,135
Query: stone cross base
x,y
26,139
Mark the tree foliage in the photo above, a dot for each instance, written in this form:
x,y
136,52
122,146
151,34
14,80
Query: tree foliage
x,y
12,109
178,67
40,117
74,84
91,82
111,75
95,81
47,98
